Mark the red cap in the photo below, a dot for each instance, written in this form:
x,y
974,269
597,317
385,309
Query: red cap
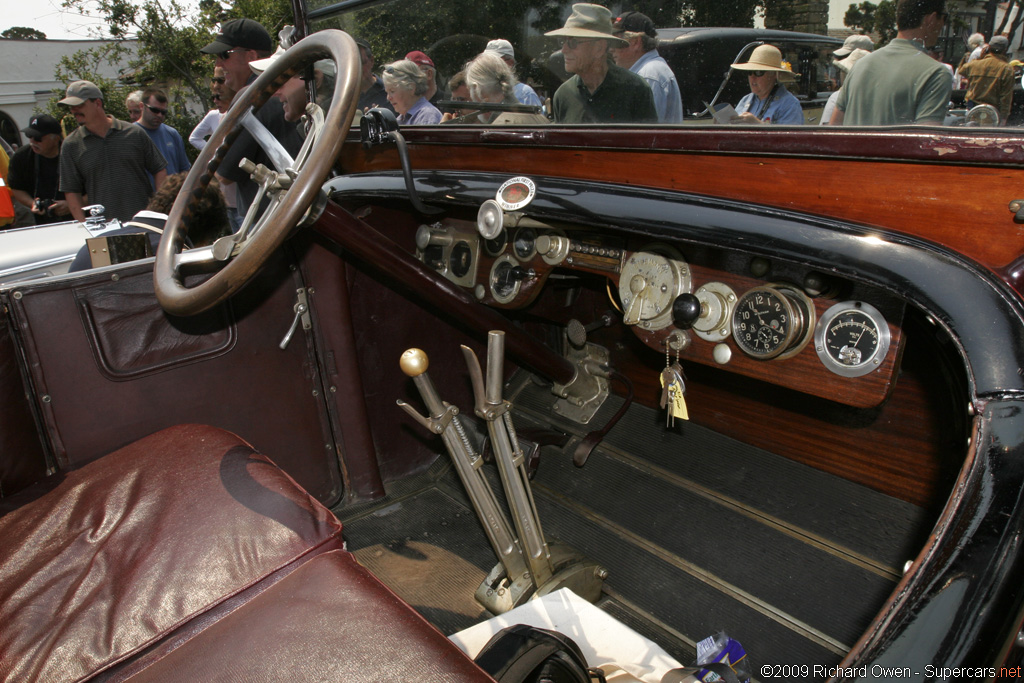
x,y
420,59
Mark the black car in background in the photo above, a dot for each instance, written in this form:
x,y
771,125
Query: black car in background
x,y
700,58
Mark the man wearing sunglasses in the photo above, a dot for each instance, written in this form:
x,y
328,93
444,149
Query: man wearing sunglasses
x,y
598,92
34,174
240,42
166,139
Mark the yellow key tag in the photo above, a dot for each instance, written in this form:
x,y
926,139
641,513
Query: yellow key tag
x,y
678,402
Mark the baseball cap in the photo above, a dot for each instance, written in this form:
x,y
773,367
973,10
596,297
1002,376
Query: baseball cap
x,y
853,42
80,91
41,125
502,48
635,22
246,33
420,59
999,44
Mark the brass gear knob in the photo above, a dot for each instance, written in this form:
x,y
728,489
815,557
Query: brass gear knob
x,y
414,362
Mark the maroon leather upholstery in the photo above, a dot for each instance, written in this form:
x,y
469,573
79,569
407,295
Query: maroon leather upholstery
x,y
329,620
133,545
189,556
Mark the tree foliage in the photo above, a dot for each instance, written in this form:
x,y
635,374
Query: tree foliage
x,y
23,33
738,13
867,17
169,37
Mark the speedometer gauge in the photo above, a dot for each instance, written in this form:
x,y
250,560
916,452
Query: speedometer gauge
x,y
852,338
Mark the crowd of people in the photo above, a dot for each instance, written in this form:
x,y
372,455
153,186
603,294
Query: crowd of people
x,y
615,75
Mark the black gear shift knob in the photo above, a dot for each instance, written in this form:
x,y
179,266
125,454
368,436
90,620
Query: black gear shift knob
x,y
685,311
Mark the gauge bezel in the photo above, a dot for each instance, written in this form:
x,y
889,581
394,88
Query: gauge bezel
x,y
715,297
496,246
523,258
867,365
682,282
799,330
503,261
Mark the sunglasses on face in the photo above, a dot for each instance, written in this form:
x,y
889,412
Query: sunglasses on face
x,y
217,79
757,74
157,110
36,139
573,43
224,56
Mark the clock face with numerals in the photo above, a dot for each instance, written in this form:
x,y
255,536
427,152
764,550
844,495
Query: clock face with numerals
x,y
765,323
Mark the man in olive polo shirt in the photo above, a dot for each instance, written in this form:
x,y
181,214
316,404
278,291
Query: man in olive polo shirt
x,y
106,159
598,92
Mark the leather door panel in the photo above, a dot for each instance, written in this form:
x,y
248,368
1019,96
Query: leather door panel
x,y
107,367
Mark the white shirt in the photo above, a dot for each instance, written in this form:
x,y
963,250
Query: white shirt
x,y
205,128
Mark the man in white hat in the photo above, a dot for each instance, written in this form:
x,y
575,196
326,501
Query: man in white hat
x,y
523,92
768,100
598,92
106,159
854,41
900,83
844,66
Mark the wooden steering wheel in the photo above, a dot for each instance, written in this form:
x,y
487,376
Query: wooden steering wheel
x,y
293,185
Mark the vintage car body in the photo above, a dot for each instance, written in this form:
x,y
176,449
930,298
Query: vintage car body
x,y
42,251
842,517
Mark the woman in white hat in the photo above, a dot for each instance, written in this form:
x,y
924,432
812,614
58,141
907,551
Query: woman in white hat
x,y
768,101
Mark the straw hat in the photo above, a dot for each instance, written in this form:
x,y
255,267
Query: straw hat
x,y
589,21
768,58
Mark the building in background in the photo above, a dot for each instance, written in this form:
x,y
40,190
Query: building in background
x,y
27,79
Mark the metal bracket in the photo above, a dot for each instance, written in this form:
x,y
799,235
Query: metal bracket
x,y
581,398
438,424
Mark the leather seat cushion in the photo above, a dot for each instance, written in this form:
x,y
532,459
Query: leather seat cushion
x,y
329,620
131,546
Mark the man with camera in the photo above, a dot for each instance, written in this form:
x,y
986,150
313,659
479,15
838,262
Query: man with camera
x,y
35,171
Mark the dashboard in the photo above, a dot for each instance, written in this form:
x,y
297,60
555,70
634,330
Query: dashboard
x,y
773,321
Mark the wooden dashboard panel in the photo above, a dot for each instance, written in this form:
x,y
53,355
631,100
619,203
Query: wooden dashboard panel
x,y
799,369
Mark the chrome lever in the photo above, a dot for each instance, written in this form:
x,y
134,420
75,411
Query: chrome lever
x,y
301,309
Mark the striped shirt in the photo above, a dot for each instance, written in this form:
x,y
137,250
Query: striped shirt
x,y
111,170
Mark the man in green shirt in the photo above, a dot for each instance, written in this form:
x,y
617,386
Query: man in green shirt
x,y
900,83
599,91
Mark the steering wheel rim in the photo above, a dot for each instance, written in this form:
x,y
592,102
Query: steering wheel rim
x,y
279,220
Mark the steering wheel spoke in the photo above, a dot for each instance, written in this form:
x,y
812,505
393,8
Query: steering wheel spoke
x,y
271,145
292,186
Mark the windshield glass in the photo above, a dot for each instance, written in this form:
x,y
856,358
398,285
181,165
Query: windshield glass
x,y
533,62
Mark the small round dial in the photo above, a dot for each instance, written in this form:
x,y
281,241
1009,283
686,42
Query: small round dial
x,y
495,246
852,338
525,244
767,321
648,284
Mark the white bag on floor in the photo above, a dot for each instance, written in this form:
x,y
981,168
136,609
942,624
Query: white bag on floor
x,y
604,641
